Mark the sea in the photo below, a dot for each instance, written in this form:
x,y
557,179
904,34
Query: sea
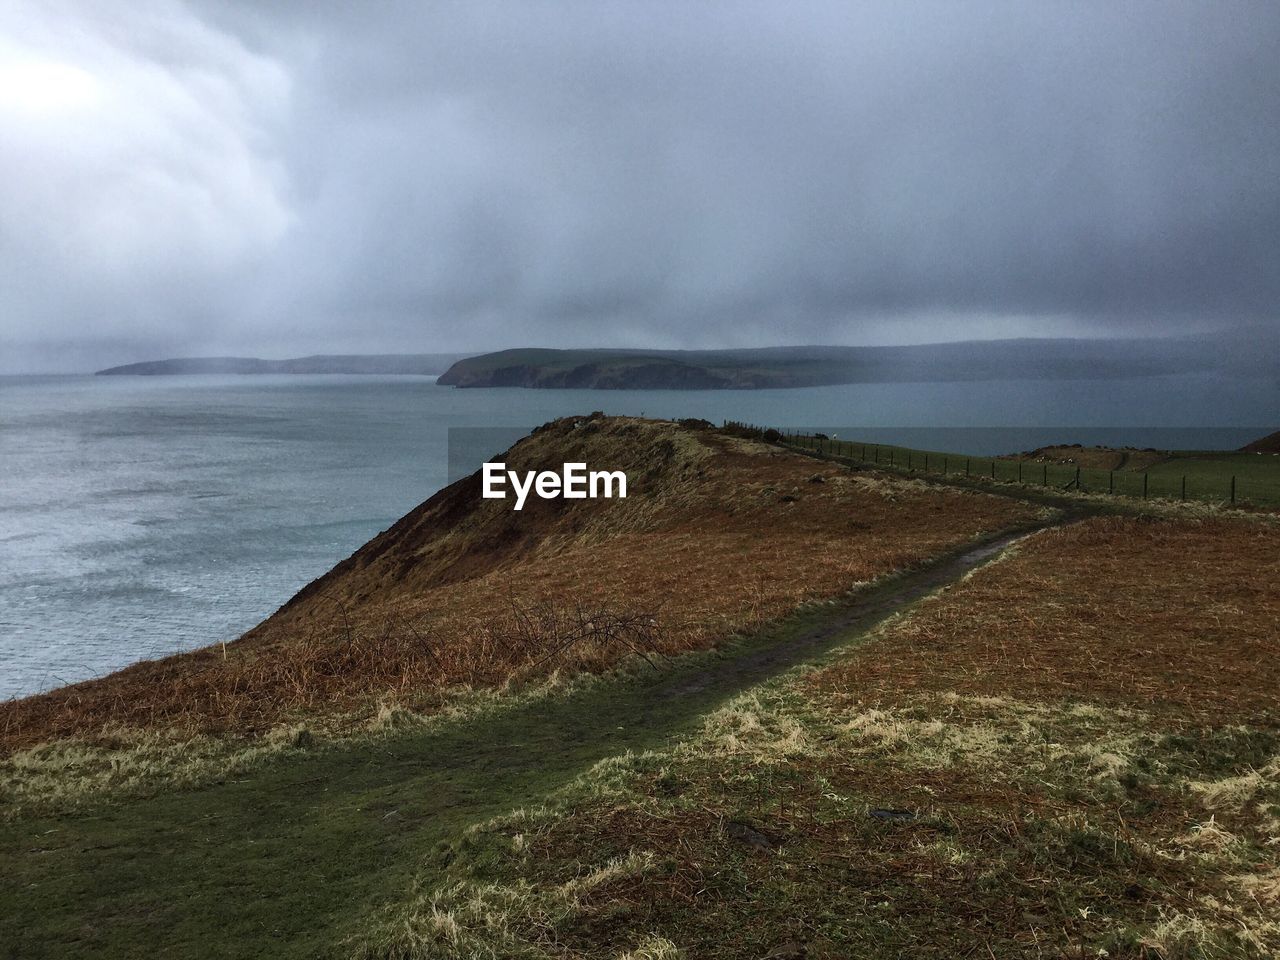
x,y
140,516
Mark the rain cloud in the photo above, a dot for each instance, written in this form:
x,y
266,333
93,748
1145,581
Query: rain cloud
x,y
278,179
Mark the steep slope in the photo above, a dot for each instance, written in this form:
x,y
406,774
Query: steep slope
x,y
717,534
1268,444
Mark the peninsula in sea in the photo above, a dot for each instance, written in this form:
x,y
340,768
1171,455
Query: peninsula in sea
x,y
811,366
420,364
766,367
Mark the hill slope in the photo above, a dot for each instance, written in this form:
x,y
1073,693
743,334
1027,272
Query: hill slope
x,y
1071,753
717,534
1268,444
1071,750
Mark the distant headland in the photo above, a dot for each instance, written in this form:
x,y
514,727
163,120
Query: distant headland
x,y
808,366
421,364
763,367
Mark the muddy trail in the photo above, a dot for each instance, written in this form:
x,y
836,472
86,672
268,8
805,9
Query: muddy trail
x,y
286,861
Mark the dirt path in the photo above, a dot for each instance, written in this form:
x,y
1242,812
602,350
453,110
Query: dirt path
x,y
286,862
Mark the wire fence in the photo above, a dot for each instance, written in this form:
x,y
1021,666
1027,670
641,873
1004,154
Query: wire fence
x,y
1227,478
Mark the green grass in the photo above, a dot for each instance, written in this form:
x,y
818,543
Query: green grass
x,y
1034,829
288,859
1208,473
284,862
1257,475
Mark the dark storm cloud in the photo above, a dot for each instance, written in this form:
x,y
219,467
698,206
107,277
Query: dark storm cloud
x,y
287,178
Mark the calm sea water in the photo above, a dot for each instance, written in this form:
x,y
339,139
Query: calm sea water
x,y
141,516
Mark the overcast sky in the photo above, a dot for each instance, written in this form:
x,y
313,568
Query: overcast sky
x,y
281,179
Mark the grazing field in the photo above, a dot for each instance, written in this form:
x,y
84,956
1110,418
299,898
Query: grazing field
x,y
1221,477
1073,752
1210,470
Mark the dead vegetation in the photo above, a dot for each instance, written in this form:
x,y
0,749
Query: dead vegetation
x,y
1181,618
954,786
718,533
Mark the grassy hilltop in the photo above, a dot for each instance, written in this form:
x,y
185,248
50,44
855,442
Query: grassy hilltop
x,y
1249,477
770,705
718,533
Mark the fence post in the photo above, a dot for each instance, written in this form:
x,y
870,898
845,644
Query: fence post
x,y
1077,479
926,463
1184,486
993,469
1233,489
1019,471
1111,481
1144,486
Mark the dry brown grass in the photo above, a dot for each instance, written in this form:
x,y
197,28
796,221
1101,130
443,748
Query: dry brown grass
x,y
1080,740
1181,618
1018,837
717,534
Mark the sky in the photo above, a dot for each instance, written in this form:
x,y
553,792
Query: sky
x,y
247,178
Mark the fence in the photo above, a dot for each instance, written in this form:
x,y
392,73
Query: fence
x,y
1203,478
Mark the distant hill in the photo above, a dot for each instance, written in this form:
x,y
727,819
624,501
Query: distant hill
x,y
762,368
1268,444
1020,359
424,364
